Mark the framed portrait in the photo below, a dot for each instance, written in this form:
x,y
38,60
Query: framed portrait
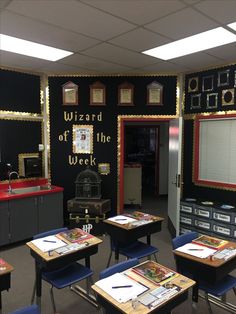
x,y
193,84
97,94
195,101
155,94
207,83
212,101
70,94
104,168
223,78
82,139
126,94
227,97
235,78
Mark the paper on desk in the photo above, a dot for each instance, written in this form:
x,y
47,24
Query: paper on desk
x,y
121,219
45,246
196,250
121,295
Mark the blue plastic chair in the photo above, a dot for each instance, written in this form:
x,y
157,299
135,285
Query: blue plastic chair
x,y
220,288
32,309
136,249
66,276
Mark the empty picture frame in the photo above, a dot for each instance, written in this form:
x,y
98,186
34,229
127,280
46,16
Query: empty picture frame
x,y
193,84
207,83
212,101
223,78
227,97
195,101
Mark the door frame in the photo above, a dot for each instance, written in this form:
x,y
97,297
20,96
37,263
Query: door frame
x,y
120,150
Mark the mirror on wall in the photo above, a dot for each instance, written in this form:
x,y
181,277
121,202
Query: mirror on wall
x,y
19,148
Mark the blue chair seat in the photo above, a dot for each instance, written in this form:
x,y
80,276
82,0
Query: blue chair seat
x,y
67,276
220,288
32,309
138,250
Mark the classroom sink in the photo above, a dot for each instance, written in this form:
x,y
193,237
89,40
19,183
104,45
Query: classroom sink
x,y
30,189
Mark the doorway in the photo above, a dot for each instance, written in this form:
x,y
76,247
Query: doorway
x,y
144,148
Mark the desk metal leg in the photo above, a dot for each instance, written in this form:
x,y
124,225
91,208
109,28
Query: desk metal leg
x,y
38,277
0,302
195,292
149,239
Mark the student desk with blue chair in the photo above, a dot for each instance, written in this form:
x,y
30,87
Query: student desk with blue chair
x,y
209,270
54,261
5,278
127,233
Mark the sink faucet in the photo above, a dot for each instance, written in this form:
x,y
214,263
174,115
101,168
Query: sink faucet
x,y
9,180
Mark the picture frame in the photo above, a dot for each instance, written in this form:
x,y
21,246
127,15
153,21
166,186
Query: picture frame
x,y
212,101
126,94
195,102
155,94
207,83
82,139
97,94
223,78
104,168
228,97
70,94
235,78
193,84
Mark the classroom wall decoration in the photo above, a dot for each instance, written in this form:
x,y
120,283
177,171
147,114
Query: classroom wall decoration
x,y
95,118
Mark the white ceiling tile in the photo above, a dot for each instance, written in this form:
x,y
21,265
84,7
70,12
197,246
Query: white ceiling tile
x,y
224,52
118,55
139,40
198,60
73,15
63,69
222,10
93,63
4,3
137,11
165,67
182,24
23,27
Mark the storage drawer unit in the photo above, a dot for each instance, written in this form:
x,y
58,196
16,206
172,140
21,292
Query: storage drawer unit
x,y
224,229
223,216
203,211
187,220
187,208
202,224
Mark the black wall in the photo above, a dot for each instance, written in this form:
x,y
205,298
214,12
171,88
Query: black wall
x,y
64,174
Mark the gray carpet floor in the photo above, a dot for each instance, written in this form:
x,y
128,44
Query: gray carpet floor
x,y
67,301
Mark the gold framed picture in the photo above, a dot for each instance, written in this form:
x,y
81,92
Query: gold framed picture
x,y
70,94
227,97
126,94
193,84
155,94
104,168
82,139
97,94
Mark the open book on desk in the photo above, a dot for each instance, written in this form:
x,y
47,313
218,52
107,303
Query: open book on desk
x,y
120,287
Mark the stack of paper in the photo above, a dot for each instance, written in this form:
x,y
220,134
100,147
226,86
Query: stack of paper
x,y
196,250
48,243
121,219
120,287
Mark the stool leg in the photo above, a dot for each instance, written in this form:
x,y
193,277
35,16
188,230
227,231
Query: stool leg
x,y
33,293
109,259
52,299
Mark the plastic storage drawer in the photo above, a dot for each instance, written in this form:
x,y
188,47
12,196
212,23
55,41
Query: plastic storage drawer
x,y
225,217
186,208
187,220
203,211
203,224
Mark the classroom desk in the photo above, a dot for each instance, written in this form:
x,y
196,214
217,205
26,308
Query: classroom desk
x,y
105,300
5,278
45,262
207,269
126,233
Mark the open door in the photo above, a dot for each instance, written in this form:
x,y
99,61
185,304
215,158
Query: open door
x,y
174,182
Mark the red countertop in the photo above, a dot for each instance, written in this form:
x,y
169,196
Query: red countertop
x,y
5,196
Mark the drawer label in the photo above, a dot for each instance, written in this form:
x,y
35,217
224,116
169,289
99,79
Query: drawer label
x,y
203,213
202,224
221,230
186,220
186,209
221,217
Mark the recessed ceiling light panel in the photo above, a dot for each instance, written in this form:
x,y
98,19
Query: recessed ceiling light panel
x,y
31,49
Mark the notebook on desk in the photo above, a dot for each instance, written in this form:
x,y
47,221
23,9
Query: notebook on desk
x,y
48,243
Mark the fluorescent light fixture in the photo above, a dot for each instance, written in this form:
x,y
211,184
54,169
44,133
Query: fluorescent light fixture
x,y
232,25
199,42
31,49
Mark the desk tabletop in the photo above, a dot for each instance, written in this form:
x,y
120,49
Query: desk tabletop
x,y
181,281
5,268
54,255
209,260
138,216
